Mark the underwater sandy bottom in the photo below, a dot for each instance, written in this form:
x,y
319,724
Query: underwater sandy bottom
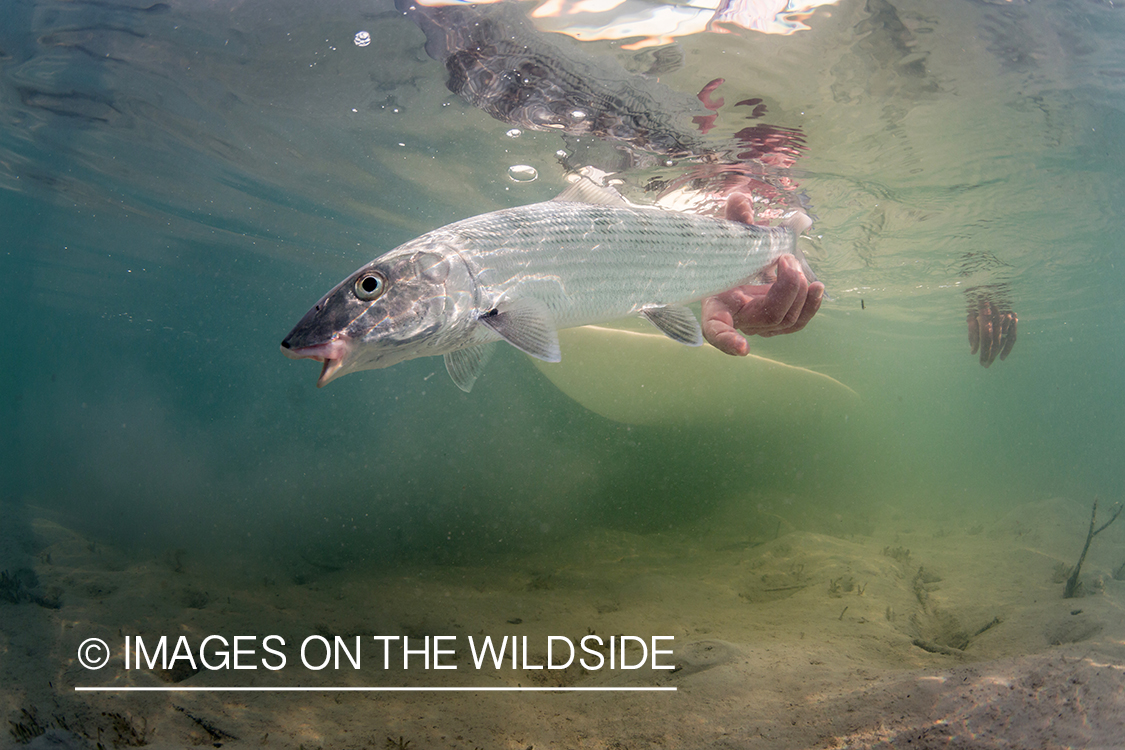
x,y
924,633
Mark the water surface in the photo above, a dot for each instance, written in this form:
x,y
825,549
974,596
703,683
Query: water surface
x,y
180,182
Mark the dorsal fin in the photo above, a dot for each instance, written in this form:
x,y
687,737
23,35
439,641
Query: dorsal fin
x,y
588,185
583,190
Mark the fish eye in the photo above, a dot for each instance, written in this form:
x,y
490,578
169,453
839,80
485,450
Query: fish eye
x,y
370,285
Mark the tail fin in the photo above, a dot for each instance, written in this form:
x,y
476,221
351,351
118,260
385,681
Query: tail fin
x,y
739,208
800,222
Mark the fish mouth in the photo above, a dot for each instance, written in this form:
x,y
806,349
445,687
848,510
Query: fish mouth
x,y
331,353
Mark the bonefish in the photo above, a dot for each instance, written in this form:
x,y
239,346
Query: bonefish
x,y
520,274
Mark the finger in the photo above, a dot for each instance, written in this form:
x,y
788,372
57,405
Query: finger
x,y
997,327
718,326
704,96
812,306
974,333
739,209
989,346
788,267
1009,335
809,305
769,312
984,318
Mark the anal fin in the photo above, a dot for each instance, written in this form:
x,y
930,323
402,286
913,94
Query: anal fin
x,y
676,322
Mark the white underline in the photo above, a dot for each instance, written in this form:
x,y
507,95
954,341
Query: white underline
x,y
365,689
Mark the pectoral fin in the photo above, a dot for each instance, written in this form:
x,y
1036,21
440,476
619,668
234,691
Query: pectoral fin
x,y
526,324
676,322
465,365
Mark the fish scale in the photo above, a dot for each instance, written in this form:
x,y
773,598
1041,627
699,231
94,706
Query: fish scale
x,y
608,261
520,274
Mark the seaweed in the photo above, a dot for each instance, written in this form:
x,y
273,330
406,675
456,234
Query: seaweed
x,y
921,593
193,598
1061,572
175,559
837,587
27,729
942,632
114,730
937,648
11,589
987,626
1073,587
17,587
125,730
927,577
217,735
778,585
542,582
1073,629
181,669
901,554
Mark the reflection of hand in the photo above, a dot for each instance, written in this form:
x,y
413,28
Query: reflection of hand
x,y
992,328
785,306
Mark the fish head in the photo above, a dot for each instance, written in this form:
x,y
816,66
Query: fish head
x,y
405,304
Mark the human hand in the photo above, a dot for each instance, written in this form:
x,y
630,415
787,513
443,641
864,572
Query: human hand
x,y
992,328
785,306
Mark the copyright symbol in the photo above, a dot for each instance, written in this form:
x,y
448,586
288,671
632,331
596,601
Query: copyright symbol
x,y
93,653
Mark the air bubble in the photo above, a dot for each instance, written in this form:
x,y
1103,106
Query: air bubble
x,y
522,173
362,39
514,133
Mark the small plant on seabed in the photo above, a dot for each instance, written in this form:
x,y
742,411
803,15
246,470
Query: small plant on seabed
x,y
125,731
27,728
1073,587
901,554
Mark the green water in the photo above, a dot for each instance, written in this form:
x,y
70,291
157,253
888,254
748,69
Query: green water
x,y
179,183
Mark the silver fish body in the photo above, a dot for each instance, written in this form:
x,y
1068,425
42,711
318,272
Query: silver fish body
x,y
520,274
